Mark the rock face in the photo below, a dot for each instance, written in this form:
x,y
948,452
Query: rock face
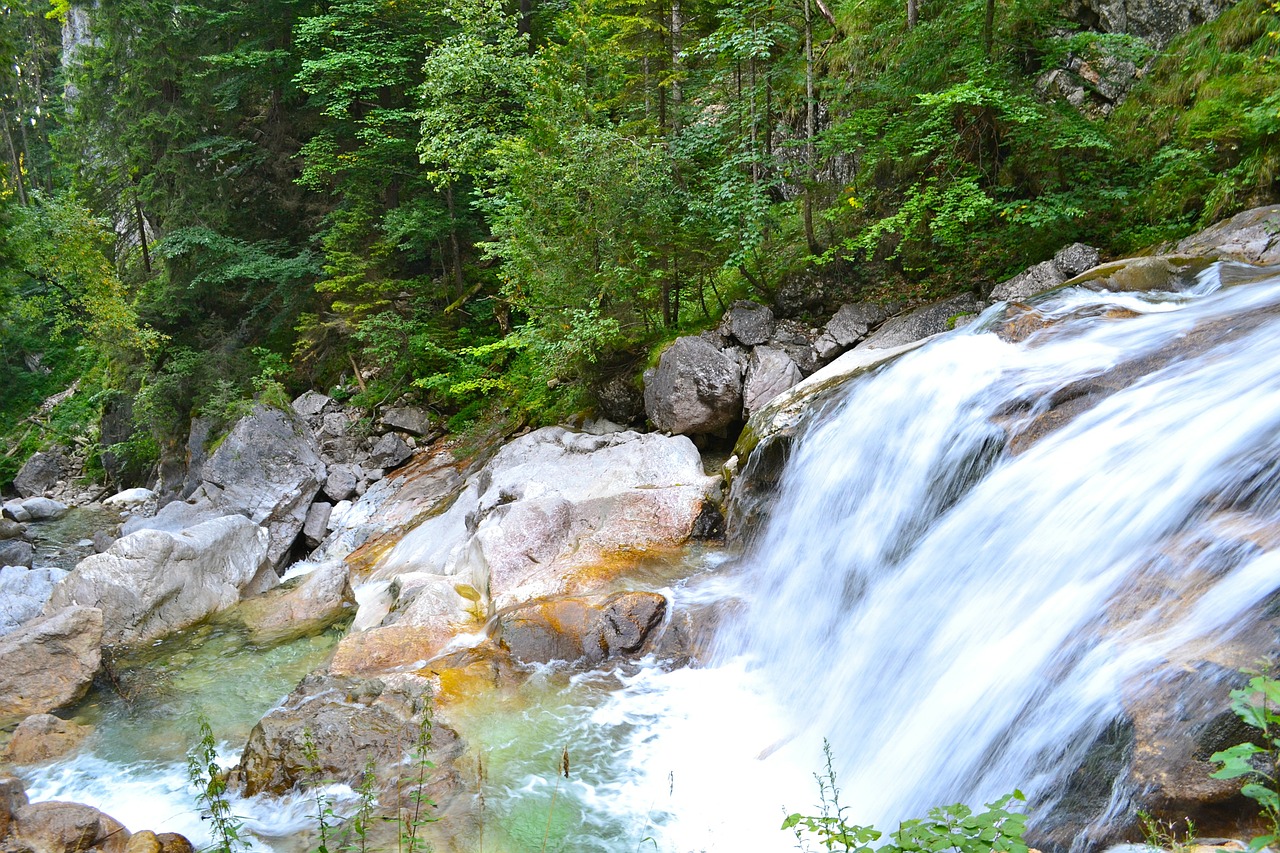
x,y
1067,263
552,505
152,583
49,662
696,388
923,322
350,721
769,373
1156,21
67,828
43,737
24,592
322,598
583,630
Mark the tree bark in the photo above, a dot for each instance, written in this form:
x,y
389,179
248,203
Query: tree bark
x,y
988,26
676,25
913,13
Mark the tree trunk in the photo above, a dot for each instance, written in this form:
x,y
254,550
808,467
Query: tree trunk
x,y
458,283
810,123
988,26
913,13
676,25
142,233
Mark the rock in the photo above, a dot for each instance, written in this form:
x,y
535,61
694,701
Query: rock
x,y
39,474
749,323
1252,237
49,662
1161,272
695,388
15,552
316,525
1156,21
390,451
583,630
10,529
15,511
350,722
387,649
147,841
556,510
620,400
130,498
342,481
406,419
1037,279
102,541
151,583
55,827
769,373
43,737
312,404
24,592
849,325
922,322
323,597
199,439
12,797
1075,259
45,509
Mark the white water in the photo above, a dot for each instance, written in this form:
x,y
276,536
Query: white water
x,y
958,621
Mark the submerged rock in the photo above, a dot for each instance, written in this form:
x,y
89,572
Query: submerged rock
x,y
49,662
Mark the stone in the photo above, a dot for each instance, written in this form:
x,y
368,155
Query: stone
x,y
389,648
769,373
39,474
852,323
102,541
1075,259
55,827
1252,237
316,525
130,498
10,529
406,419
144,842
922,322
13,796
151,583
199,439
45,509
581,630
620,400
695,389
49,662
1156,21
312,404
390,451
748,322
342,481
43,737
1037,279
349,721
24,592
321,598
15,511
15,552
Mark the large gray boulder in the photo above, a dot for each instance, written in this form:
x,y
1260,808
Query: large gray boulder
x,y
769,373
44,509
267,469
24,592
318,600
1066,264
848,326
749,323
1156,21
15,552
151,583
1252,237
696,388
49,662
923,322
39,474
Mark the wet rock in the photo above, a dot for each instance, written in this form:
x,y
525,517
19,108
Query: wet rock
x,y
152,583
44,509
769,373
15,552
342,481
147,841
407,419
748,323
1252,237
49,662
390,451
24,592
388,649
922,322
316,525
44,737
696,388
321,598
350,722
582,630
55,827
39,474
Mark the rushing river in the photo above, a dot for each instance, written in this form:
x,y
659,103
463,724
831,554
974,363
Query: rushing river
x,y
955,618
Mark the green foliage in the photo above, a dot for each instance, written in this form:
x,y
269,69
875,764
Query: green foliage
x,y
1258,705
210,784
414,816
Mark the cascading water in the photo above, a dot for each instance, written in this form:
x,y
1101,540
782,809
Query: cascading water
x,y
959,620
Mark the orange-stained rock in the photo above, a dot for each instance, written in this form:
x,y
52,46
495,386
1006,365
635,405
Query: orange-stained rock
x,y
56,827
395,647
586,630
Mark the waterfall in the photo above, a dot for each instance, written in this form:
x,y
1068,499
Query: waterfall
x,y
958,619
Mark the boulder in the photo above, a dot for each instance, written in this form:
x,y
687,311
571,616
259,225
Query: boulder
x,y
696,388
151,583
14,552
45,509
10,529
320,598
349,722
316,525
39,474
769,373
582,630
49,662
13,796
342,481
922,322
406,419
24,592
390,451
388,649
130,498
43,737
620,400
147,841
15,511
748,323
56,827
1068,263
847,326
1075,259
1155,21
312,404
1252,237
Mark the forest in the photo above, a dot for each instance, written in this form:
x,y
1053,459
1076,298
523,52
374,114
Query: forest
x,y
491,209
